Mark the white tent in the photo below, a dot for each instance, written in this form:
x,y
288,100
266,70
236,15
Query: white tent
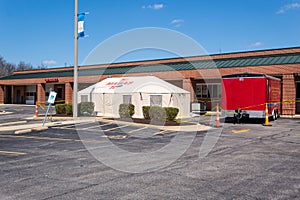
x,y
140,91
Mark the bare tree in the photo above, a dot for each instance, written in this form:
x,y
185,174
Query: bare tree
x,y
2,67
9,68
42,66
22,66
6,68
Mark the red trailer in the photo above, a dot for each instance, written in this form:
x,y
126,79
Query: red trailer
x,y
246,96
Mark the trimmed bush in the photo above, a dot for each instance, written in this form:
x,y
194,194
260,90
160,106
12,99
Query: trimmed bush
x,y
65,109
60,108
126,110
86,108
171,113
157,113
146,112
69,109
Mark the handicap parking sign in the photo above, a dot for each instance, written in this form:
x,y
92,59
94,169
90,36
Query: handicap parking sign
x,y
52,97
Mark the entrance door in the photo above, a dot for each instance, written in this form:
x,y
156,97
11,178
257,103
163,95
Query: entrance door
x,y
297,97
19,100
8,98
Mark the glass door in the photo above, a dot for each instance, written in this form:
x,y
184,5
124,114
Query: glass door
x,y
297,97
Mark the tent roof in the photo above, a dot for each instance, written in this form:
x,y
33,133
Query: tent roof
x,y
143,84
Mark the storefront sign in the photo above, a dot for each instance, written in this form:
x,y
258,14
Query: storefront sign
x,y
48,80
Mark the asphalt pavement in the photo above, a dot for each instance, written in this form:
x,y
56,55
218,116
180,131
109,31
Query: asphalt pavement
x,y
99,159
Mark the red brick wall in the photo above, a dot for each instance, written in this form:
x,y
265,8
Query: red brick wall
x,y
187,85
41,96
1,94
68,93
288,94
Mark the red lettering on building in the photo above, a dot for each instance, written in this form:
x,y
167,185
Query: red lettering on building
x,y
48,80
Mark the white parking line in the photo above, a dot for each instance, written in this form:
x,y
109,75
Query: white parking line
x,y
84,123
139,129
162,132
111,129
12,153
13,123
95,126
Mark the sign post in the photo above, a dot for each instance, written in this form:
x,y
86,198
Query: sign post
x,y
50,101
75,86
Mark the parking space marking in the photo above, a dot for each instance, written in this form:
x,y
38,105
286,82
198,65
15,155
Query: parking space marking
x,y
162,132
82,129
115,136
84,123
12,153
240,131
96,126
139,129
52,139
111,129
13,123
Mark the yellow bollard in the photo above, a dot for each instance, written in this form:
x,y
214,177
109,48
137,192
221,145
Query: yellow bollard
x,y
267,117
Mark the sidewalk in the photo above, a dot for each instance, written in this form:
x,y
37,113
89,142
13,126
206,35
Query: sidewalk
x,y
39,125
23,126
188,128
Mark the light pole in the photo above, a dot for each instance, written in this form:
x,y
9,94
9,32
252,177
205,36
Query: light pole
x,y
75,85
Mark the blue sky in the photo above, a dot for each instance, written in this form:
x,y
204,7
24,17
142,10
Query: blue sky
x,y
41,31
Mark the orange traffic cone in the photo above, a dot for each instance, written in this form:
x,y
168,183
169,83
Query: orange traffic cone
x,y
36,109
218,124
267,117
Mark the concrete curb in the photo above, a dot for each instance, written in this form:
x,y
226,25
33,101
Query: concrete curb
x,y
34,129
23,131
5,113
38,126
195,127
13,123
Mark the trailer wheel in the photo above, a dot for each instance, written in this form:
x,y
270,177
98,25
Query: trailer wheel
x,y
277,114
274,114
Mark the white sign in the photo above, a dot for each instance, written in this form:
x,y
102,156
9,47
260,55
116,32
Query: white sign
x,y
52,97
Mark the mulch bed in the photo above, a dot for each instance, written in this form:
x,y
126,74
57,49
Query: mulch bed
x,y
140,121
152,122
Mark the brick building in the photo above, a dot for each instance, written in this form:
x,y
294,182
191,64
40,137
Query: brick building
x,y
200,75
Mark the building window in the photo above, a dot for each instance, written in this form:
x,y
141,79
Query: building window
x,y
211,90
298,90
126,99
84,98
155,100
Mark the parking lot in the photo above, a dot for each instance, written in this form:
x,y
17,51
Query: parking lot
x,y
108,159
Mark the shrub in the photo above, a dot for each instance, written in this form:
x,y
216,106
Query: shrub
x,y
69,109
146,112
65,109
60,108
86,108
157,113
126,110
171,113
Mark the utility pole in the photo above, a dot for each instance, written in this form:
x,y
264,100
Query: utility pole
x,y
75,85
